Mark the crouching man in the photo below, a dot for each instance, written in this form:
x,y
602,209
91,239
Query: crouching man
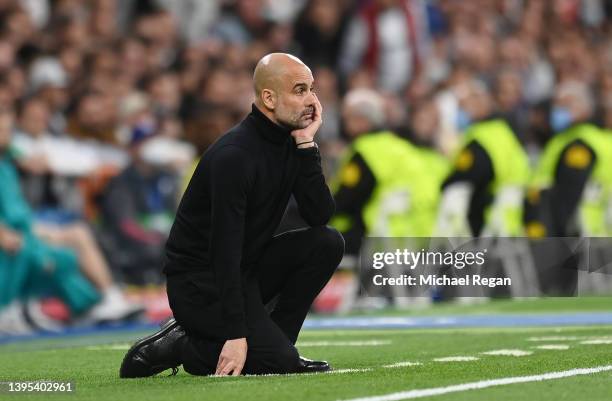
x,y
224,264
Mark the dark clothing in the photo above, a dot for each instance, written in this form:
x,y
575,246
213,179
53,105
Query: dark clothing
x,y
479,174
130,204
293,269
231,208
350,201
555,208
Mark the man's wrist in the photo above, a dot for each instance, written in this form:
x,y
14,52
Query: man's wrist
x,y
303,143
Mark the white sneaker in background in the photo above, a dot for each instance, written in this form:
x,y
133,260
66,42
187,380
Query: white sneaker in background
x,y
112,307
35,316
13,322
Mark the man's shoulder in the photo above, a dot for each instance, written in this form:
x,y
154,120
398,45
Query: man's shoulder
x,y
241,136
236,145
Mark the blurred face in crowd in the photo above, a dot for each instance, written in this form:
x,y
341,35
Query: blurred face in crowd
x,y
354,122
165,92
34,117
325,15
572,103
284,88
6,127
7,55
475,103
363,110
509,90
19,27
95,111
425,122
6,96
218,88
55,96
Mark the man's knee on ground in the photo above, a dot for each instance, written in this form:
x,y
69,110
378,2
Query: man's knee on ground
x,y
330,242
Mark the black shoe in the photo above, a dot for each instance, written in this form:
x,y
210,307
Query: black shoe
x,y
310,366
155,353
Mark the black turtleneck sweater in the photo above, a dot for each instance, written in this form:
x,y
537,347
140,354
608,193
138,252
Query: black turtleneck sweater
x,y
235,201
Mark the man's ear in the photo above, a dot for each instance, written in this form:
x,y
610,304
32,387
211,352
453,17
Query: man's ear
x,y
268,97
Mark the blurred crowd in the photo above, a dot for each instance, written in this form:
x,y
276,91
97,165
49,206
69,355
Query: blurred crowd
x,y
105,106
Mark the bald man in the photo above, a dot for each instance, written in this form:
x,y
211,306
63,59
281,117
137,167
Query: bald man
x,y
238,293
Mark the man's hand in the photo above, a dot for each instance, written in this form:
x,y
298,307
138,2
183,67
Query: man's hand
x,y
232,357
10,241
307,134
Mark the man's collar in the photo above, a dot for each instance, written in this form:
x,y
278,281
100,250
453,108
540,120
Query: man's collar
x,y
267,128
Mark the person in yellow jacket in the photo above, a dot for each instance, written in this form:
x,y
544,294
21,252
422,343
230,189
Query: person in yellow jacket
x,y
386,185
483,194
571,189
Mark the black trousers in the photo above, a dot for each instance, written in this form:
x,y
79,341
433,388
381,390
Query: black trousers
x,y
293,270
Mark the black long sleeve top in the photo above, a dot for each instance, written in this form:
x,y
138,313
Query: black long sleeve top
x,y
234,202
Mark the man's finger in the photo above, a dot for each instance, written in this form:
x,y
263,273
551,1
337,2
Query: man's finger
x,y
228,368
237,371
220,364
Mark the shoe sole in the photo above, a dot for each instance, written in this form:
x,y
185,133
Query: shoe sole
x,y
165,329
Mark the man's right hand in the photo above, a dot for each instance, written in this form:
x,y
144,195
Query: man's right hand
x,y
232,357
10,241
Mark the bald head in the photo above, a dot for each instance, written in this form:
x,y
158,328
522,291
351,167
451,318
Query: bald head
x,y
272,68
283,89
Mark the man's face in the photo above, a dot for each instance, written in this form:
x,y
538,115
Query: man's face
x,y
425,121
295,98
35,118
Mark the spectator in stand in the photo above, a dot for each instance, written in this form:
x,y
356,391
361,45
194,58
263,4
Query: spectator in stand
x,y
38,260
388,38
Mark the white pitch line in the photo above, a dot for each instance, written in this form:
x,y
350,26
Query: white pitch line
x,y
555,338
559,347
370,343
456,359
349,370
596,342
508,352
427,392
402,364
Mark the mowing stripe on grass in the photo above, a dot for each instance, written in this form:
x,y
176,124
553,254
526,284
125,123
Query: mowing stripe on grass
x,y
456,359
559,347
508,352
554,338
596,342
427,392
402,364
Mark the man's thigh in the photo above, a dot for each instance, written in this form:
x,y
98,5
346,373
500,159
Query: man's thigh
x,y
313,251
293,250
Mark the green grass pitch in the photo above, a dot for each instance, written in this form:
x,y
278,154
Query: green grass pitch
x,y
367,363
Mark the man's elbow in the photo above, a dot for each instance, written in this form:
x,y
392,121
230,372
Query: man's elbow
x,y
321,215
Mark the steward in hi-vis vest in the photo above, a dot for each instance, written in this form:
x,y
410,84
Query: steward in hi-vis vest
x,y
571,188
386,186
483,194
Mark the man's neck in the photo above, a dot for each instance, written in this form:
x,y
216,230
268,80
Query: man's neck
x,y
267,113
